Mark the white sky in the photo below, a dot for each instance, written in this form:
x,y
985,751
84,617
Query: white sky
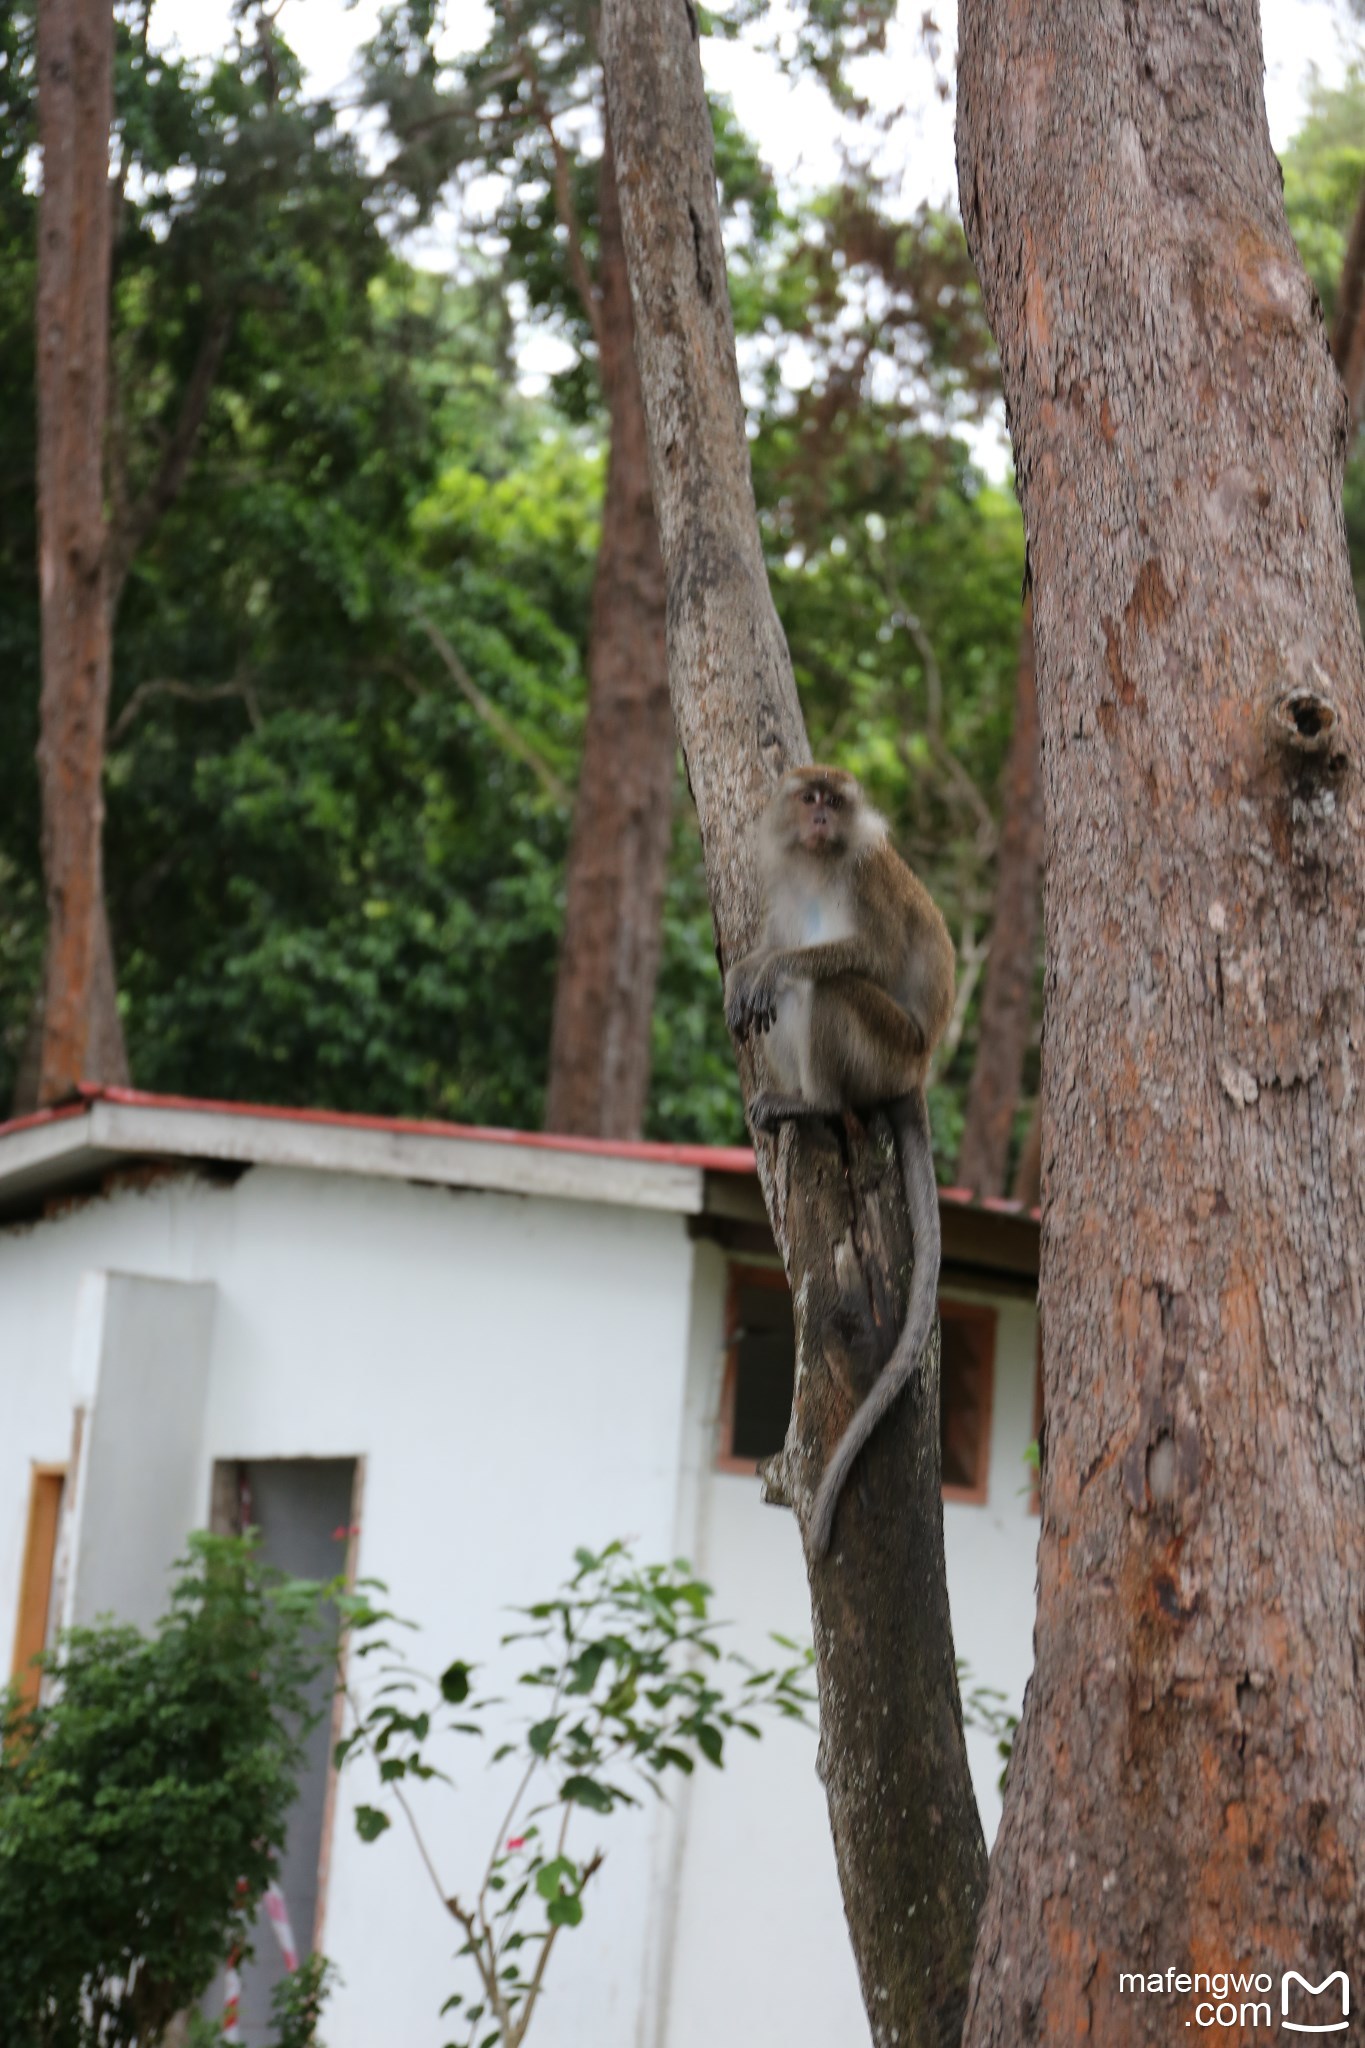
x,y
794,125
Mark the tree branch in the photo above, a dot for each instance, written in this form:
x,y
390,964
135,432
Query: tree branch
x,y
209,693
137,523
563,183
973,954
495,720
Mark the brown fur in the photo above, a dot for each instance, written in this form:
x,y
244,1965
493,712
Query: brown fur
x,y
853,984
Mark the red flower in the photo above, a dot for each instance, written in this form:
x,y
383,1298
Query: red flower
x,y
516,1842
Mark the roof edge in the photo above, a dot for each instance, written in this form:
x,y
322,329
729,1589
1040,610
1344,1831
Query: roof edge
x,y
108,1125
709,1158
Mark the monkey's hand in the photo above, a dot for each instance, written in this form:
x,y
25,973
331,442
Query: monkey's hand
x,y
751,989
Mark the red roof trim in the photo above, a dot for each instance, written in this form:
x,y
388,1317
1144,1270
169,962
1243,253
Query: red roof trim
x,y
38,1117
711,1158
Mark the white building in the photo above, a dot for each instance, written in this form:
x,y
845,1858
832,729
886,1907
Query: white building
x,y
482,1349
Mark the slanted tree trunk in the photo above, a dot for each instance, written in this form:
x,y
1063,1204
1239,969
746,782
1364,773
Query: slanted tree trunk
x,y
1188,1787
1007,999
892,1756
81,1035
623,813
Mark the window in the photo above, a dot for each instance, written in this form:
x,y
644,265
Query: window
x,y
967,1384
760,1368
35,1587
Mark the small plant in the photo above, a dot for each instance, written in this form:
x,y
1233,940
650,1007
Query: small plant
x,y
133,1801
987,1708
295,2009
629,1682
296,2003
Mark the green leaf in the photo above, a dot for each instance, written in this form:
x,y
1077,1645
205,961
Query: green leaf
x,y
584,1791
585,1668
370,1823
565,1912
678,1758
542,1735
710,1742
552,1878
455,1684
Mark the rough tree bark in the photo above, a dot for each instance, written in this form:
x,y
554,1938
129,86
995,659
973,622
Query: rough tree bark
x,y
1007,999
81,1037
623,812
1187,1790
892,1756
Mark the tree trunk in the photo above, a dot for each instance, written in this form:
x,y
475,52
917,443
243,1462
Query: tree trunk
x,y
1007,1000
1187,1792
75,102
1348,328
623,814
892,1756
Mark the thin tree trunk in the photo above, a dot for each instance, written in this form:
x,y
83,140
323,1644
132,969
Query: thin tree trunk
x,y
82,1038
618,857
1187,1791
892,1756
1348,328
1007,999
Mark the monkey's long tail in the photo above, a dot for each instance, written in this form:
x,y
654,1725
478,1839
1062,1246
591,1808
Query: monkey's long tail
x,y
910,1116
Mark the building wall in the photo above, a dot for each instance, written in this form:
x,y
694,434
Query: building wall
x,y
759,1950
518,1376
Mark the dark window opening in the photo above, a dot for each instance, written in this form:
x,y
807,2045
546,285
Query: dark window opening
x,y
761,1367
966,1387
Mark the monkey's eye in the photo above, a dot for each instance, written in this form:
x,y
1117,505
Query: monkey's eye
x,y
835,802
809,797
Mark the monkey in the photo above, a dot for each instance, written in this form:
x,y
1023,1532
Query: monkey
x,y
852,986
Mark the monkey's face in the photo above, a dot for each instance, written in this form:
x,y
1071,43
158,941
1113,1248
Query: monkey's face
x,y
818,808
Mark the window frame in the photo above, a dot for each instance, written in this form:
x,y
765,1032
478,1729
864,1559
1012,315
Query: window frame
x,y
37,1576
742,1273
739,1273
952,1309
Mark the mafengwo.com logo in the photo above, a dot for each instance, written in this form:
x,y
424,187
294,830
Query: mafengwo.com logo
x,y
1250,1999
1338,1982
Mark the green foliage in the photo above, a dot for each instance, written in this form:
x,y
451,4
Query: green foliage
x,y
628,1685
523,112
335,860
295,2008
142,1805
349,890
335,872
297,2000
986,1708
1324,168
